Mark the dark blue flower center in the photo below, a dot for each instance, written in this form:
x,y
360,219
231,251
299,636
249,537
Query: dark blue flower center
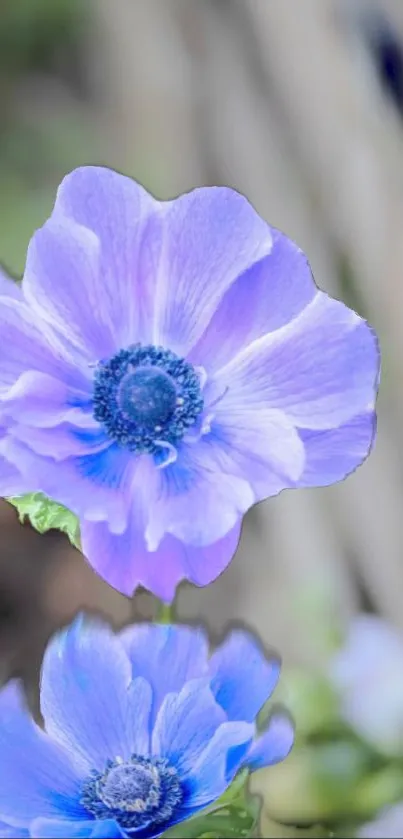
x,y
146,396
136,793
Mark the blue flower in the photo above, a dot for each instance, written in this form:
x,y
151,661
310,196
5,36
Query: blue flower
x,y
11,480
141,730
169,365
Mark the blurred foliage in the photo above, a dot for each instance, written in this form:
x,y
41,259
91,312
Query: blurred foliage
x,y
31,30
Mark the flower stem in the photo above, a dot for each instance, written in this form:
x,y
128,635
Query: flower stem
x,y
166,613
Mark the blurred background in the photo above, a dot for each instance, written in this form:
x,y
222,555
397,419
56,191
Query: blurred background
x,y
300,107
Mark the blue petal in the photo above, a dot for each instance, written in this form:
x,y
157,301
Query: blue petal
x,y
242,679
320,370
332,455
94,486
6,831
117,290
84,692
61,829
138,724
212,235
166,656
9,288
264,298
274,744
216,768
186,723
37,775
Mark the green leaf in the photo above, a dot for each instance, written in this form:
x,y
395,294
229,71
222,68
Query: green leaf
x,y
235,815
44,514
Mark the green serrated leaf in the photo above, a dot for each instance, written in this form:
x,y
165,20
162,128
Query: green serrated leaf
x,y
45,514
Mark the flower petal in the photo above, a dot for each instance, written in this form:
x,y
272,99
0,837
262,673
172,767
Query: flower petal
x,y
388,824
37,775
62,441
273,745
185,724
84,693
62,829
63,284
264,298
8,832
93,486
334,454
41,400
263,447
125,221
125,563
8,286
212,235
321,370
11,480
211,774
29,344
242,690
139,722
167,656
177,507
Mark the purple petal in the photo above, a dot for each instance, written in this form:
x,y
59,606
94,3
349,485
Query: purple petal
x,y
212,235
263,447
8,286
321,369
332,455
11,481
195,500
62,442
388,824
167,656
63,284
242,690
186,723
125,563
84,693
125,221
38,777
27,344
265,298
273,745
41,400
94,486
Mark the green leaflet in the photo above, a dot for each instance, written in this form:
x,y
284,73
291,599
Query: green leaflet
x,y
44,514
235,815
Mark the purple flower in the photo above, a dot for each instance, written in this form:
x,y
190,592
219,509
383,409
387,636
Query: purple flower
x,y
368,674
171,364
11,482
142,730
387,825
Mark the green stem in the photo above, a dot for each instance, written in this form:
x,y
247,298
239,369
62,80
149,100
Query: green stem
x,y
166,613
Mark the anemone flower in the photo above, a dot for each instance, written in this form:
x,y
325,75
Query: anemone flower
x,y
373,707
11,482
169,365
142,730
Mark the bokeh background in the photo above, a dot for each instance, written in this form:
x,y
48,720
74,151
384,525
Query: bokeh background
x,y
299,105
